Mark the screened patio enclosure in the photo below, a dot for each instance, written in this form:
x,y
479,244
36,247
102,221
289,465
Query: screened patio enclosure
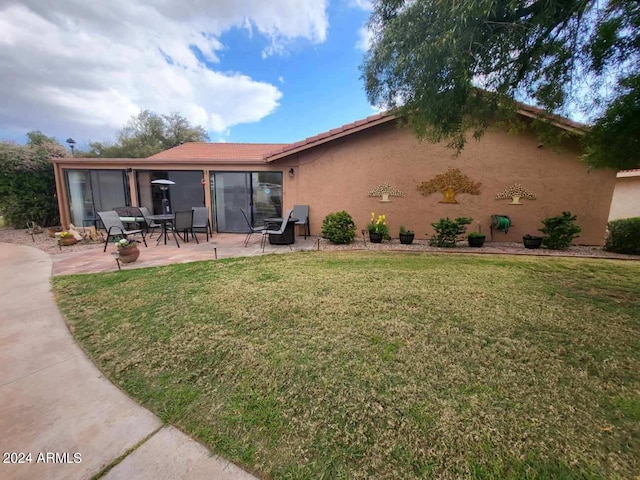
x,y
92,191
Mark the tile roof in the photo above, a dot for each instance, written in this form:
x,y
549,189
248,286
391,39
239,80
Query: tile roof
x,y
332,134
268,152
634,172
218,151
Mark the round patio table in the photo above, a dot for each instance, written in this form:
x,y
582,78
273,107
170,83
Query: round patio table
x,y
164,219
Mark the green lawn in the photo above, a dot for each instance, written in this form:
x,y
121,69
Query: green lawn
x,y
380,365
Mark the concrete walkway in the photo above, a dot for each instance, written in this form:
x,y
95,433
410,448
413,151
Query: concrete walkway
x,y
56,405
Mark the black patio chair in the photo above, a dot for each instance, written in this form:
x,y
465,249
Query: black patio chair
x,y
252,229
115,228
151,225
183,222
201,221
280,231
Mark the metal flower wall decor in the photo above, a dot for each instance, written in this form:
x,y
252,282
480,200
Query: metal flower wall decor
x,y
450,183
515,192
385,191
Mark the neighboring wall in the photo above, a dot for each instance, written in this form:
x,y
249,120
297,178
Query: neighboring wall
x,y
626,196
337,176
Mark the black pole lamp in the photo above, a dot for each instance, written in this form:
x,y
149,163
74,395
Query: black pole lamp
x,y
164,186
72,144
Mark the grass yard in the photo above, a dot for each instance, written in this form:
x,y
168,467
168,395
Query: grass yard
x,y
380,365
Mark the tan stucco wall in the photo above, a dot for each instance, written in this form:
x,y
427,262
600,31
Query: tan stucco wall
x,y
338,175
626,198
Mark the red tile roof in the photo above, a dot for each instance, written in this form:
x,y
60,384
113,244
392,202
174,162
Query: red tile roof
x,y
269,152
218,151
332,134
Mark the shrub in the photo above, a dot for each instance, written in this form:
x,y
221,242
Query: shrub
x,y
339,228
623,236
476,235
560,231
447,230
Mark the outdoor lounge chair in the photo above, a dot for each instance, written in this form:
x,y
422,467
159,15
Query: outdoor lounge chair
x,y
201,221
301,212
183,222
115,228
280,231
252,229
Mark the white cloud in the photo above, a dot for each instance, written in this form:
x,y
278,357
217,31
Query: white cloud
x,y
78,68
281,79
365,38
366,5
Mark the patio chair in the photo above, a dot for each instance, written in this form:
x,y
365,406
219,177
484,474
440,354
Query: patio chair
x,y
115,228
183,222
201,221
280,231
301,212
252,229
151,225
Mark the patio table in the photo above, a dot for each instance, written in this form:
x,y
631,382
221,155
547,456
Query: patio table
x,y
165,219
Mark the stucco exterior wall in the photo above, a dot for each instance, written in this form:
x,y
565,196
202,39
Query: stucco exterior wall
x,y
626,198
337,176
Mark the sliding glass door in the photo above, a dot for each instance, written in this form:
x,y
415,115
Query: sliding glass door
x,y
232,193
259,194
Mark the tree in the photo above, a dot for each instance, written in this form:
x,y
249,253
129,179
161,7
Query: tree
x,y
27,184
147,134
450,68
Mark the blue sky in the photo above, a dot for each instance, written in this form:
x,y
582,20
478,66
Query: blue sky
x,y
250,71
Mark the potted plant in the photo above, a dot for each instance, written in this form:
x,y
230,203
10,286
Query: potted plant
x,y
531,241
67,238
476,239
128,251
54,230
378,229
406,236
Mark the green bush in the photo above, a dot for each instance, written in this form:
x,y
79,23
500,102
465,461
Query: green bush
x,y
560,231
624,236
27,185
339,228
447,230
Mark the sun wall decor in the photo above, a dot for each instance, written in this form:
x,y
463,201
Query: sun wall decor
x,y
515,192
450,183
385,191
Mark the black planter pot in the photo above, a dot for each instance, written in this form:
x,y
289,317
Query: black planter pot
x,y
532,242
407,238
375,237
476,242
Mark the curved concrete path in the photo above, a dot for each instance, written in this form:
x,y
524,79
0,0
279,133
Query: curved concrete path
x,y
53,400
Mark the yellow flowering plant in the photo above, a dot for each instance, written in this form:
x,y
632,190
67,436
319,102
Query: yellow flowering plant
x,y
65,234
379,225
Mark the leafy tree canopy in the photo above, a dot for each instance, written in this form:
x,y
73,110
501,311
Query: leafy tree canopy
x,y
450,68
147,134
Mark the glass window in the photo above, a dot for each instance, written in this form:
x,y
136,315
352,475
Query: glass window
x,y
91,191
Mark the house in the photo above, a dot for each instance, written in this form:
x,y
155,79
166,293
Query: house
x,y
626,195
350,168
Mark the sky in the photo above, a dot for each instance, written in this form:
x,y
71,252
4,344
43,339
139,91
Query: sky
x,y
247,71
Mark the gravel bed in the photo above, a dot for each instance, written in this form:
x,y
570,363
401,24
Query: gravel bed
x,y
42,241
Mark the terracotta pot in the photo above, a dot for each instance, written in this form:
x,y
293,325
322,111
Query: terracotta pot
x,y
128,254
53,231
67,241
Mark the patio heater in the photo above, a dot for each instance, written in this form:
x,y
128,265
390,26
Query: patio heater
x,y
164,186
